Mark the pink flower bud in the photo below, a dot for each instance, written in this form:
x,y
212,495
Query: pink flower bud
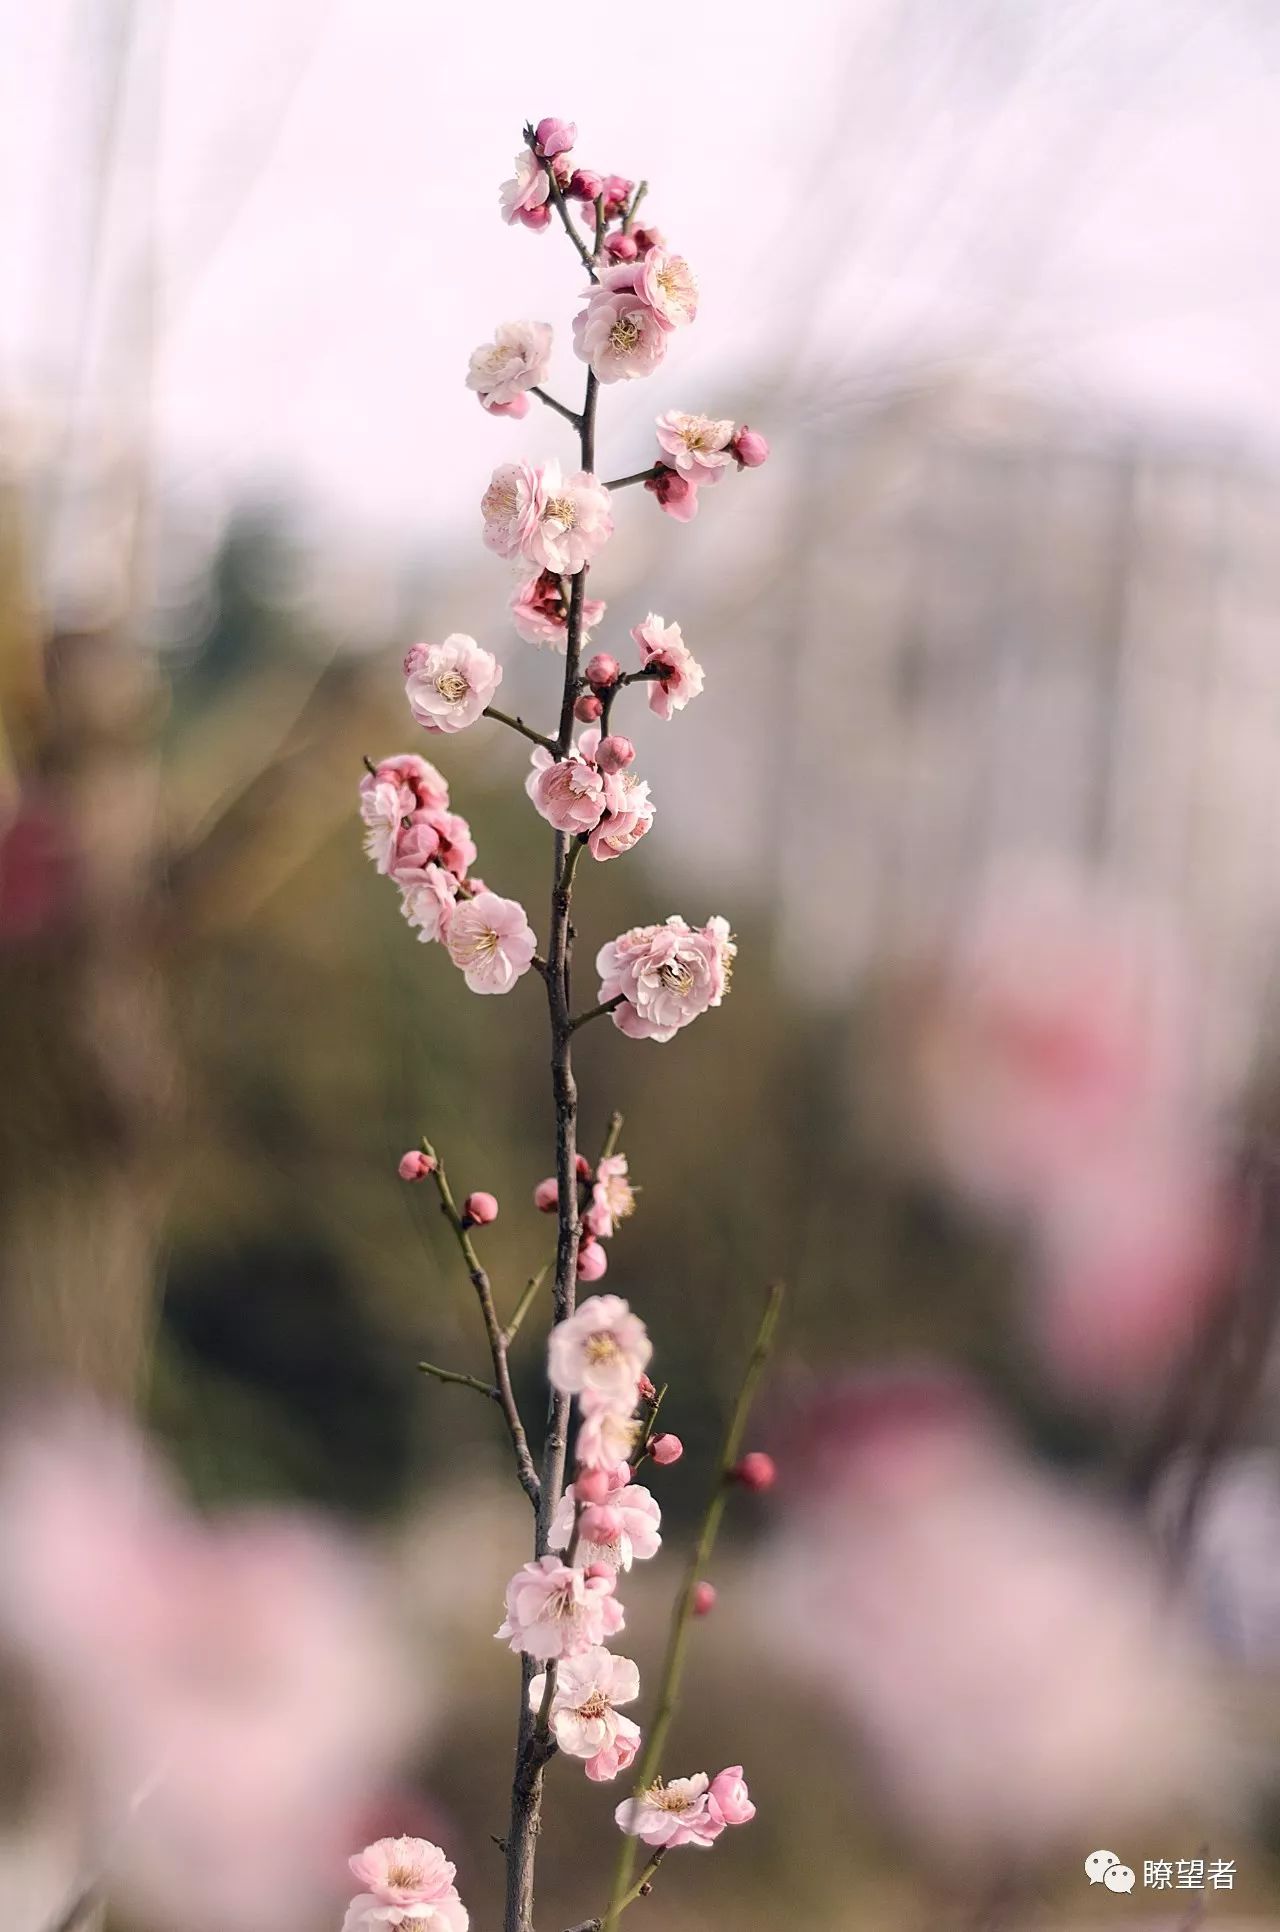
x,y
415,1165
592,1260
554,137
600,1523
539,217
620,247
676,494
729,1796
665,1449
614,753
647,238
479,1209
754,1471
582,1167
587,709
617,194
602,671
517,407
585,184
597,1223
546,1195
704,1599
645,1389
592,1486
750,448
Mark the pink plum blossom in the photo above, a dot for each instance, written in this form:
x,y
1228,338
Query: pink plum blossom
x,y
555,1611
527,190
415,1165
368,1913
605,1437
556,521
554,136
428,901
491,941
663,649
584,1717
666,975
631,1534
667,1815
750,448
396,790
568,792
665,1449
409,1882
515,361
628,816
730,1797
448,685
667,284
612,1196
696,446
599,1351
704,1599
225,1692
617,192
619,334
540,611
676,494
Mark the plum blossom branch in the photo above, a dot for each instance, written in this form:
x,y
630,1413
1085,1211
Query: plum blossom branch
x,y
525,1303
461,1381
505,1395
526,731
683,1612
562,209
637,476
641,1889
596,1012
561,409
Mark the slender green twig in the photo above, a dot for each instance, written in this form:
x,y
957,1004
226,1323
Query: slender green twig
x,y
462,1381
641,1889
682,1614
524,1304
629,218
526,731
505,1395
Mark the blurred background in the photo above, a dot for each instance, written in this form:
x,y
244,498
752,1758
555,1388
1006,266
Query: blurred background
x,y
1000,281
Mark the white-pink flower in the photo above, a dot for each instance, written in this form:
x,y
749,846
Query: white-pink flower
x,y
540,611
396,790
568,792
619,334
601,1350
448,685
584,1718
663,649
491,941
527,189
428,903
407,1881
556,1611
558,522
606,1436
666,975
512,363
620,1531
628,817
612,1197
667,284
679,1813
696,446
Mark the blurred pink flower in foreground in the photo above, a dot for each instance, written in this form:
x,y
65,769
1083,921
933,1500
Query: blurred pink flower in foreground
x,y
228,1694
1059,1084
1004,1649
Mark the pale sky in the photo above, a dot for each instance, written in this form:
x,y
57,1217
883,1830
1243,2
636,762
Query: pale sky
x,y
1086,195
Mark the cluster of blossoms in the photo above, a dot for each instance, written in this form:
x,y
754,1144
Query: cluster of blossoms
x,y
606,1197
562,1607
407,1882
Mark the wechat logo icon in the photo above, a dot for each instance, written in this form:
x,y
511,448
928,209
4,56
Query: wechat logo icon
x,y
1105,1868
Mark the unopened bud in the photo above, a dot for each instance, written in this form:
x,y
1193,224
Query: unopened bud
x,y
585,185
614,753
587,709
554,136
546,1195
592,1260
479,1209
415,1165
754,1471
591,1486
602,671
620,247
750,448
704,1599
666,1449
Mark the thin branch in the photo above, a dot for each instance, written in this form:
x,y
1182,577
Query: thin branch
x,y
462,1381
526,731
639,195
492,1327
600,226
562,209
561,409
682,1614
524,1304
641,1889
596,1012
637,476
612,1135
